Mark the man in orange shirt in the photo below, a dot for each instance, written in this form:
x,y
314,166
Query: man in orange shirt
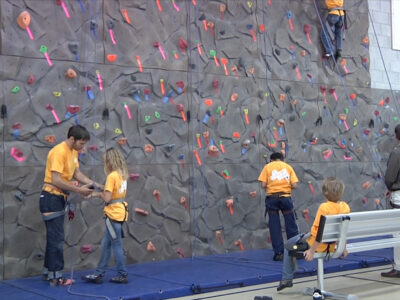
x,y
278,179
336,21
61,168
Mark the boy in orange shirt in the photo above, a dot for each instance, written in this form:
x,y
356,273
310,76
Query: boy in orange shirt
x,y
278,179
333,190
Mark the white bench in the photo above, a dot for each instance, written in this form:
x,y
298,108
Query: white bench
x,y
345,229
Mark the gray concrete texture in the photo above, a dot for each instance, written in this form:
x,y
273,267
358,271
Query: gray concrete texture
x,y
349,138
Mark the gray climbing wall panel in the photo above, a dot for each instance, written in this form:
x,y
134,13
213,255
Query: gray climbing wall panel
x,y
237,83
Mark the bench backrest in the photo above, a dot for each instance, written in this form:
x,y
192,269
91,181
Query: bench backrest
x,y
360,225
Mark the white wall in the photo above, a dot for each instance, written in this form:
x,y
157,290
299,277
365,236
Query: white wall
x,y
381,14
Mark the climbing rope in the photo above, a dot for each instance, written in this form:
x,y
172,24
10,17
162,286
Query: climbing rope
x,y
352,105
384,65
84,111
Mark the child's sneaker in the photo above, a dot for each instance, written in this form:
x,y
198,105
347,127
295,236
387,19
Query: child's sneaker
x,y
120,279
93,278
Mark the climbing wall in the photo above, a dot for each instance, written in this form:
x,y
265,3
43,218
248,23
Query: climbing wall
x,y
196,94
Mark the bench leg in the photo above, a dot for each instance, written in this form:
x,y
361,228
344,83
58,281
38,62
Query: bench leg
x,y
320,277
329,295
321,274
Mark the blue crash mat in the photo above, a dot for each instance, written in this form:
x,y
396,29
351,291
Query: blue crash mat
x,y
187,276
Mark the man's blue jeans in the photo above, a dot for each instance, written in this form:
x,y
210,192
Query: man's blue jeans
x,y
274,204
336,24
54,256
117,247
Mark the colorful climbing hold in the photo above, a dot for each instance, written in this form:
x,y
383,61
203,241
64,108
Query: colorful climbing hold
x,y
112,57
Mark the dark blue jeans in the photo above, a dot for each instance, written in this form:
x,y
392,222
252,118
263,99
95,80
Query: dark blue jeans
x,y
54,256
336,24
273,205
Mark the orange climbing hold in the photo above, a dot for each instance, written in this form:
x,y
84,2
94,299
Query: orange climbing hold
x,y
148,148
112,57
229,204
157,194
24,19
151,247
184,203
126,15
50,138
122,141
209,102
213,151
366,185
234,97
71,74
236,135
218,234
240,243
141,211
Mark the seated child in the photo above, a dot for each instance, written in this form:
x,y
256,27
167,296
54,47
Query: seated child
x,y
333,190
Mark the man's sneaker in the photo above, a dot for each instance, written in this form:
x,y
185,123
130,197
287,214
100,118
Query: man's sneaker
x,y
392,274
120,279
283,284
278,257
61,281
93,278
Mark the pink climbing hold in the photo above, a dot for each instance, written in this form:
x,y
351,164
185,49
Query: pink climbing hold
x,y
17,154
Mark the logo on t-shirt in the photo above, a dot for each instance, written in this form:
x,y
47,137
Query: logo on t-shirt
x,y
280,175
123,188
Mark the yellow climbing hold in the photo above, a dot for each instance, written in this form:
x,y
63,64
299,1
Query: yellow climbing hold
x,y
96,125
57,94
118,131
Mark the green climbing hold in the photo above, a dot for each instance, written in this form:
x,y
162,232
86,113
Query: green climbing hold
x,y
157,114
304,113
396,119
43,49
16,89
213,53
147,118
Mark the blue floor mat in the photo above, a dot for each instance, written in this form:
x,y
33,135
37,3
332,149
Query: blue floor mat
x,y
176,278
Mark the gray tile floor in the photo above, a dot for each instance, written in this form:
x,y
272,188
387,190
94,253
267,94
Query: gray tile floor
x,y
367,284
